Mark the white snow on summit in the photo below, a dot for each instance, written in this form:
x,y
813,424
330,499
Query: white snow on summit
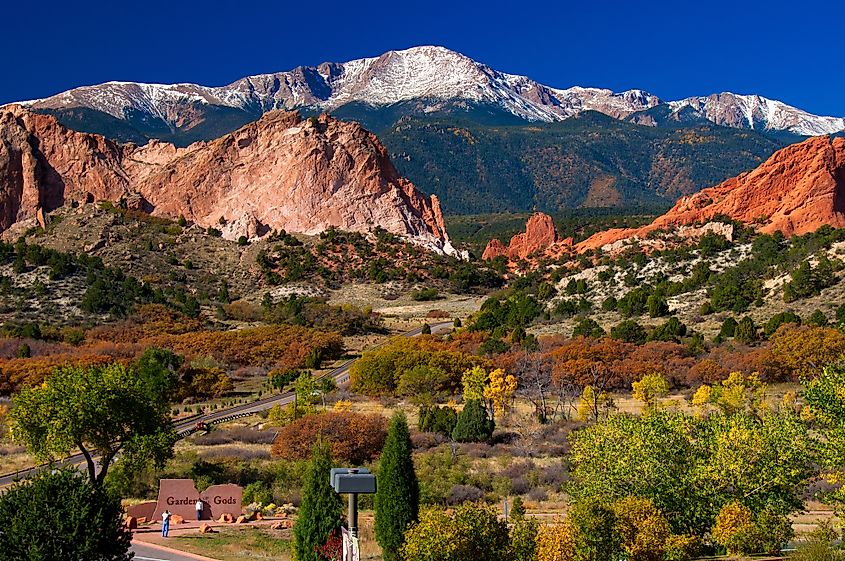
x,y
421,73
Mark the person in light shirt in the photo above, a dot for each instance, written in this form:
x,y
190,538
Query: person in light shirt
x,y
200,507
165,523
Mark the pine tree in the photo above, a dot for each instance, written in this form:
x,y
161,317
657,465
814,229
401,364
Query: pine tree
x,y
398,494
746,331
321,507
473,424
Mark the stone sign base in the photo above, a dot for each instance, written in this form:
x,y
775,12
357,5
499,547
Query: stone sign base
x,y
179,496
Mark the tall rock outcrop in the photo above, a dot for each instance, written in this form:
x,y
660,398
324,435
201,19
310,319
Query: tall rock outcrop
x,y
280,172
540,236
798,189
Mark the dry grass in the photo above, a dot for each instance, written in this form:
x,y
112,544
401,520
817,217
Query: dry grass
x,y
236,543
14,458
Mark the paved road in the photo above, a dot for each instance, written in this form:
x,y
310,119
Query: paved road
x,y
144,552
186,427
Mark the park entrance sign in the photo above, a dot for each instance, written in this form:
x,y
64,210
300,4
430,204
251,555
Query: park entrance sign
x,y
179,496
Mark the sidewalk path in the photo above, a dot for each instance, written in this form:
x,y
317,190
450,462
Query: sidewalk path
x,y
153,552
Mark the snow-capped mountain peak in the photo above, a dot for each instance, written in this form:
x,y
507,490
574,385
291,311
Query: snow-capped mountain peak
x,y
757,112
418,73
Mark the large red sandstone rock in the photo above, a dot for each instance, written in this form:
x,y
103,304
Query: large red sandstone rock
x,y
539,236
798,189
280,172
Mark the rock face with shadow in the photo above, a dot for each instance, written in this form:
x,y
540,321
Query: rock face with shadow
x,y
280,172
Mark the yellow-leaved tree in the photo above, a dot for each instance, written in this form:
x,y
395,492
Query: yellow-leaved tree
x,y
474,381
556,542
500,390
650,389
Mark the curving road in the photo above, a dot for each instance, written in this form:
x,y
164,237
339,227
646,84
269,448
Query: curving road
x,y
186,427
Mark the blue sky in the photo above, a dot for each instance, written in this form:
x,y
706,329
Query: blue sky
x,y
790,51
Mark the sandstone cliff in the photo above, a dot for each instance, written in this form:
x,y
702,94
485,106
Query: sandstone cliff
x,y
280,172
540,236
798,189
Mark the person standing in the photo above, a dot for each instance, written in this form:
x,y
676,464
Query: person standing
x,y
200,507
165,523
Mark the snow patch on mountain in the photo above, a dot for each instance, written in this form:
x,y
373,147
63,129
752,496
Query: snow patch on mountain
x,y
757,112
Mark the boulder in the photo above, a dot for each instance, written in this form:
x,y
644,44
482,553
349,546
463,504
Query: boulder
x,y
130,523
176,519
207,529
226,518
242,519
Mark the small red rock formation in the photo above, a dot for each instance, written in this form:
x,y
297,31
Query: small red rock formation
x,y
540,235
540,238
798,189
280,172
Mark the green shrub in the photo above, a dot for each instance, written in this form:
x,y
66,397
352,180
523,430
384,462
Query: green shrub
x,y
473,424
588,327
597,537
471,532
657,306
257,492
817,319
671,330
441,420
60,515
629,331
780,319
424,294
746,331
728,328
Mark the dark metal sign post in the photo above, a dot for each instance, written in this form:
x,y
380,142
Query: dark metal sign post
x,y
352,482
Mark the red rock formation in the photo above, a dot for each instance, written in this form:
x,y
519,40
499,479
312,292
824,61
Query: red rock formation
x,y
798,189
280,172
540,236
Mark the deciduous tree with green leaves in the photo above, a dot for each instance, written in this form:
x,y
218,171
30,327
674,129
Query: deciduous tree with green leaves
x,y
103,411
470,532
823,395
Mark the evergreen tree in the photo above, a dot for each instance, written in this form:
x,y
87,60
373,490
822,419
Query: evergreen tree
x,y
728,328
473,424
629,331
320,512
398,494
746,331
657,306
818,319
